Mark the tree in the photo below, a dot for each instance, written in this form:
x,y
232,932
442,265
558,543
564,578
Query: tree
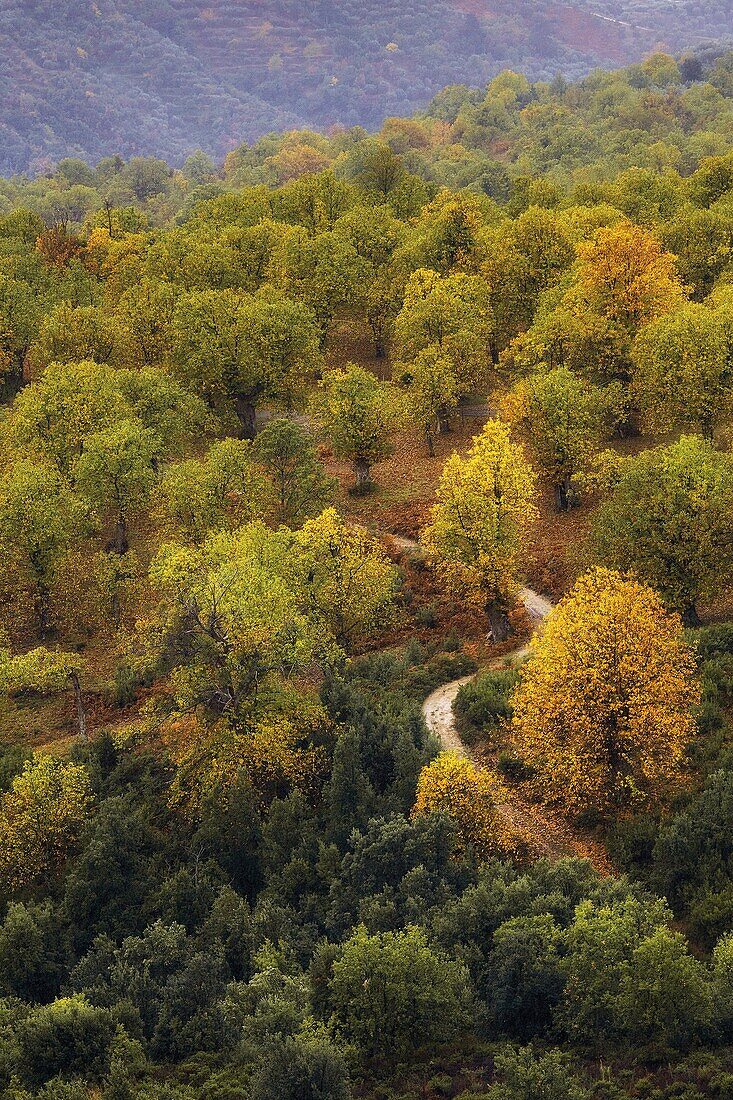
x,y
600,940
237,349
31,951
603,710
522,258
74,334
350,796
625,275
302,487
224,488
523,981
39,518
566,420
433,389
20,315
664,996
530,1076
45,671
41,817
324,272
306,1067
347,580
485,505
53,416
683,371
231,617
358,414
145,314
669,518
470,796
392,993
116,473
66,1038
453,314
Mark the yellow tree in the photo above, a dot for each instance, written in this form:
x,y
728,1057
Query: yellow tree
x,y
470,796
603,710
625,275
485,505
41,817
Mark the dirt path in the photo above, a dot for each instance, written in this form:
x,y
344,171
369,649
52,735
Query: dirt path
x,y
546,833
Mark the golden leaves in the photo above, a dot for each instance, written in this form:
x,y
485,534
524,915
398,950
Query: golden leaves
x,y
603,711
469,796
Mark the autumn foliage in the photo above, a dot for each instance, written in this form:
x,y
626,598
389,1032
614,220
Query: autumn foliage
x,y
470,796
485,504
604,708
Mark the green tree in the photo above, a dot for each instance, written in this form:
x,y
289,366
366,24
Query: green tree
x,y
683,371
304,1067
527,1075
116,474
599,941
45,671
358,414
566,420
237,349
664,995
20,315
53,416
224,488
669,518
433,389
286,453
392,993
242,621
74,334
324,272
347,580
453,314
39,519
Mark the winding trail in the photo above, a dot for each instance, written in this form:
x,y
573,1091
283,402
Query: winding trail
x,y
547,834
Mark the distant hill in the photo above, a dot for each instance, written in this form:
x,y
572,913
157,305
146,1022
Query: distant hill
x,y
91,78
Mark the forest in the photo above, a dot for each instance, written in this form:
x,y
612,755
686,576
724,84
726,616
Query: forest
x,y
366,607
93,78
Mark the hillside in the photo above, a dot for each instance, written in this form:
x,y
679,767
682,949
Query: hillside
x,y
366,600
134,77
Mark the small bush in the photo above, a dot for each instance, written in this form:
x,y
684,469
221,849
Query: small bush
x,y
483,707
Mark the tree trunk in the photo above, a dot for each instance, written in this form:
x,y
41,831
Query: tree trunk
x,y
562,495
120,544
690,616
44,611
380,347
499,626
443,421
362,475
247,415
81,716
13,380
43,598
